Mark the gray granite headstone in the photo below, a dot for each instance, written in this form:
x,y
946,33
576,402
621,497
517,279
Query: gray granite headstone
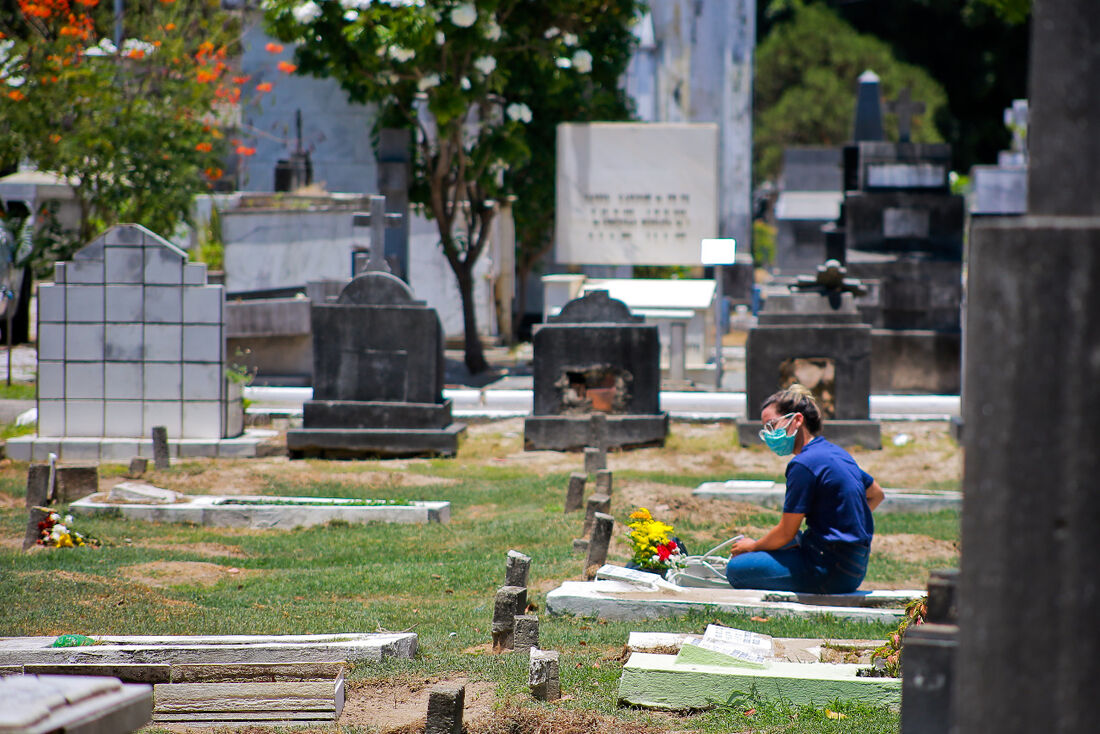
x,y
1027,581
377,376
596,371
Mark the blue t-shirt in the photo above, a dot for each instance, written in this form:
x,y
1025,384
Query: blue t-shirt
x,y
825,484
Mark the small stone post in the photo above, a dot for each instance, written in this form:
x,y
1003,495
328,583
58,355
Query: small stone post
x,y
516,569
603,482
597,433
928,658
38,486
527,633
138,465
574,497
594,460
543,675
596,503
445,704
598,543
510,602
160,447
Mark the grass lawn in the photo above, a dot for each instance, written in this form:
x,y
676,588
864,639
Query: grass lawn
x,y
435,580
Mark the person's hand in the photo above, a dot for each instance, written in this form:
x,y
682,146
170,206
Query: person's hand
x,y
745,545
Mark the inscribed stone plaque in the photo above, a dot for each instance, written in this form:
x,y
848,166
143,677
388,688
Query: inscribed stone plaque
x,y
905,176
636,194
905,222
377,374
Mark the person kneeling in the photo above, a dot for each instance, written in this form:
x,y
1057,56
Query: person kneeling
x,y
825,487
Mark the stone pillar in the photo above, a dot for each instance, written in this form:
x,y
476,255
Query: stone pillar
x,y
597,433
603,482
543,675
1029,650
928,661
596,503
445,704
38,487
516,569
510,602
574,497
138,465
595,458
160,447
526,633
598,543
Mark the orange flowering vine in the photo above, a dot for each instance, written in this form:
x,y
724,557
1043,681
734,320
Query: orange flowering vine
x,y
245,150
204,147
16,95
274,48
287,68
263,87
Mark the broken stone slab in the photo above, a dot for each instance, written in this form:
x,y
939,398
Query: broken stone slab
x,y
516,569
771,494
784,649
595,459
621,600
660,681
543,675
574,496
598,543
604,482
201,649
44,704
264,512
143,493
596,503
509,603
138,466
526,634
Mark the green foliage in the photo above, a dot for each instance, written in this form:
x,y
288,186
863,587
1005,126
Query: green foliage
x,y
1014,12
890,652
763,243
211,249
807,70
131,129
467,77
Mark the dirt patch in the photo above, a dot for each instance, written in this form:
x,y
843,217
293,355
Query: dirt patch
x,y
914,548
515,720
391,705
212,550
163,574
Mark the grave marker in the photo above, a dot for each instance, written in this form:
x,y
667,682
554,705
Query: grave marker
x,y
517,568
574,497
543,675
603,482
509,603
598,543
445,703
378,221
594,458
596,503
905,109
526,633
160,448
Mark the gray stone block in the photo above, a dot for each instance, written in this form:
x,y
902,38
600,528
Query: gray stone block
x,y
594,460
596,503
160,447
570,433
516,569
445,705
543,675
598,542
76,481
376,414
526,634
574,497
510,602
604,482
342,443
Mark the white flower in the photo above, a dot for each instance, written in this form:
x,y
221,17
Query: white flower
x,y
464,15
427,82
15,81
485,64
551,32
519,112
58,530
306,12
397,53
54,517
103,48
136,44
563,63
68,519
351,16
569,39
492,31
440,38
582,61
465,83
388,77
355,4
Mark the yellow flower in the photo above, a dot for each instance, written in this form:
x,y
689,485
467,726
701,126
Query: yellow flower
x,y
640,514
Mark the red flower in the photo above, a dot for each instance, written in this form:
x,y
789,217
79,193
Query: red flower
x,y
664,551
274,48
263,87
245,150
286,67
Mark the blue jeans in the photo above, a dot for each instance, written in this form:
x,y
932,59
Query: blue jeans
x,y
807,564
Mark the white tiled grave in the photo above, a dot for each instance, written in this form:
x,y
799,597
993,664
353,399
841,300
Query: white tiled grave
x,y
725,662
621,594
131,336
770,494
138,501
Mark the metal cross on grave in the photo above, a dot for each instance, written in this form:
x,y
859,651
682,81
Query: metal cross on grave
x,y
378,221
905,108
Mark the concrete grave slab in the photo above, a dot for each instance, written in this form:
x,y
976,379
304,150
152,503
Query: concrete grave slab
x,y
637,600
661,681
263,512
203,649
44,704
771,494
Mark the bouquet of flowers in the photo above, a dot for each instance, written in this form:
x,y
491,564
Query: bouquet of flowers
x,y
654,547
54,532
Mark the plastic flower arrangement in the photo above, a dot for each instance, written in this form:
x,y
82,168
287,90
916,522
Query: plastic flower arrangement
x,y
651,540
54,532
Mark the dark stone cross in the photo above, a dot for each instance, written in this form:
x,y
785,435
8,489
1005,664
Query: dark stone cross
x,y
905,108
378,221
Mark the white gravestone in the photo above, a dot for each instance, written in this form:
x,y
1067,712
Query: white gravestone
x,y
635,194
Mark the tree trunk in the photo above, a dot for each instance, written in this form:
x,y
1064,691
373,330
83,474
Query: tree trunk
x,y
475,355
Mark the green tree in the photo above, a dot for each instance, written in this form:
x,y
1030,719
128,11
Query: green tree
x,y
134,129
807,71
442,68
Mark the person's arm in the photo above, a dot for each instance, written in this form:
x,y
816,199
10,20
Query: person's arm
x,y
875,495
775,538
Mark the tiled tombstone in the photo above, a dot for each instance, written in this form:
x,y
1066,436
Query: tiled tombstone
x,y
377,376
130,336
596,358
